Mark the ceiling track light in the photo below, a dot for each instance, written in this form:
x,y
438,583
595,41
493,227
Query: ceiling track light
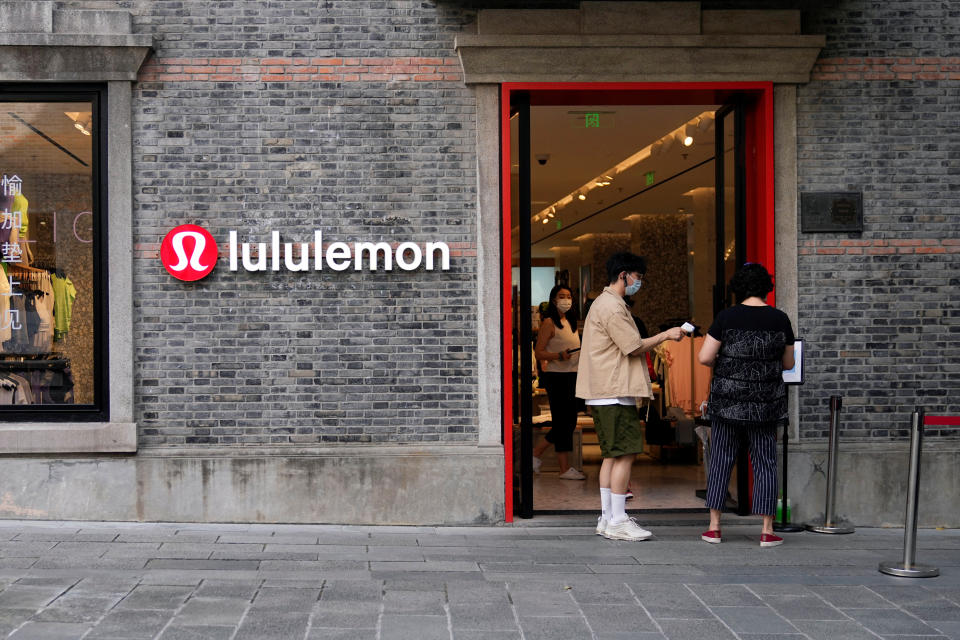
x,y
683,136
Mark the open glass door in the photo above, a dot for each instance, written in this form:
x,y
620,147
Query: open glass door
x,y
731,249
523,320
730,200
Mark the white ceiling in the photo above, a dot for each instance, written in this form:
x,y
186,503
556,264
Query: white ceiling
x,y
578,154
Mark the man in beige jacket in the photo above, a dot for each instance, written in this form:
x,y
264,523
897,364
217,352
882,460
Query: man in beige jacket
x,y
611,376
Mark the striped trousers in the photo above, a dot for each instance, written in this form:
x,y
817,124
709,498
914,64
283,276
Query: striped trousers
x,y
725,441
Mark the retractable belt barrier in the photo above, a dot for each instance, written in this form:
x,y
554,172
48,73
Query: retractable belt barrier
x,y
909,567
829,523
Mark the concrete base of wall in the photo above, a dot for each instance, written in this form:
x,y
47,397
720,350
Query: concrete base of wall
x,y
872,483
360,485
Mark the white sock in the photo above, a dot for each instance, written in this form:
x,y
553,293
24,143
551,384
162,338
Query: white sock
x,y
605,503
618,507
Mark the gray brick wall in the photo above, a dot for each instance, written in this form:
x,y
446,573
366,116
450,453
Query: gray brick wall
x,y
243,358
228,140
881,310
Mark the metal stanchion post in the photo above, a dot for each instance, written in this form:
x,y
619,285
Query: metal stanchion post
x,y
829,524
784,525
909,568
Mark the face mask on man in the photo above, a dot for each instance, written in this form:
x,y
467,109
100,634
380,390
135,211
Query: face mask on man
x,y
564,305
632,288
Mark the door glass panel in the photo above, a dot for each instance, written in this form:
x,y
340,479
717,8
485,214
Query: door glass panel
x,y
730,249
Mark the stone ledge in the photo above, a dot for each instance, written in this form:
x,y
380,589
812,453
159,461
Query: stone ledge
x,y
73,63
665,58
320,450
74,40
420,488
68,437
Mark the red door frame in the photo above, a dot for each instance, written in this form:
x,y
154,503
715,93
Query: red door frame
x,y
760,185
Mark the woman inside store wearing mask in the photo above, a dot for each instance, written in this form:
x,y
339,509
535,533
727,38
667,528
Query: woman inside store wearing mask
x,y
557,349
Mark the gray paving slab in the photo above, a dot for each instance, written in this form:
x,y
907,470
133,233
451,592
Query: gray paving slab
x,y
212,612
803,607
342,634
711,629
473,634
935,611
352,618
603,594
28,596
555,628
949,629
352,591
890,622
402,627
482,616
433,565
11,619
753,620
834,630
286,599
130,625
414,602
273,625
477,593
77,608
205,565
176,632
49,631
617,618
155,597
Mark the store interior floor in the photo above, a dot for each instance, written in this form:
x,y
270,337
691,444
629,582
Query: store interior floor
x,y
662,478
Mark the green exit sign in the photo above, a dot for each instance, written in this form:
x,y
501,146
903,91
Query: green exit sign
x,y
650,178
592,119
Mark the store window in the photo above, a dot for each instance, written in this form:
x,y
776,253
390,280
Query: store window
x,y
51,340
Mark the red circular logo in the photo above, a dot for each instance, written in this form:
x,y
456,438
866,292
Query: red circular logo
x,y
188,252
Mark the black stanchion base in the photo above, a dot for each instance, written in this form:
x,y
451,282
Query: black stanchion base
x,y
788,527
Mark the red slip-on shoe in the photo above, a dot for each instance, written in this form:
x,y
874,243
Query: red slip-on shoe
x,y
713,537
770,540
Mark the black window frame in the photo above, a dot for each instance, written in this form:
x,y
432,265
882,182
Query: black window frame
x,y
96,95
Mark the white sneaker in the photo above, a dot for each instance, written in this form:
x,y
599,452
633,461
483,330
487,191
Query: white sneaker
x,y
537,463
626,530
601,526
572,474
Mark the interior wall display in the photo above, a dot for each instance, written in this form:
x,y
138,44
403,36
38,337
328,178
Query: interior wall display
x,y
831,211
795,375
47,261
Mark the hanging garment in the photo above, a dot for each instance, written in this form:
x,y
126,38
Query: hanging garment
x,y
16,318
23,387
689,381
39,322
5,331
64,294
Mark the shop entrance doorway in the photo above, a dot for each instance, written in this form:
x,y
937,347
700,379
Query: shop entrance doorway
x,y
680,174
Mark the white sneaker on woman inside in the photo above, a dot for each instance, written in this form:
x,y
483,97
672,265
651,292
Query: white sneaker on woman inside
x,y
537,463
626,530
572,474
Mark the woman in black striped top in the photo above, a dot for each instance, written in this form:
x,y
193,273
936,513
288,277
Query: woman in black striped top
x,y
749,345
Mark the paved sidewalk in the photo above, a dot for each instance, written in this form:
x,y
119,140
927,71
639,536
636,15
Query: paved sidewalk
x,y
187,581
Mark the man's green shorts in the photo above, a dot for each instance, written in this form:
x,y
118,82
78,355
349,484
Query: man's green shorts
x,y
618,429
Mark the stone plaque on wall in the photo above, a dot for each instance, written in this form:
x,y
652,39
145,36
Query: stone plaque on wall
x,y
822,211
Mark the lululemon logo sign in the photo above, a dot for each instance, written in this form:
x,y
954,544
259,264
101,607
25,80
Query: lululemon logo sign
x,y
188,252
